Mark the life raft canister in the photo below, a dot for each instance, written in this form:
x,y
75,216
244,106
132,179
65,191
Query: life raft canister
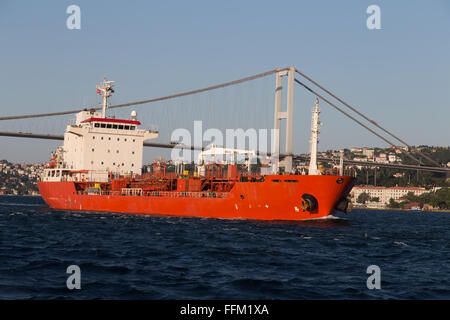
x,y
309,202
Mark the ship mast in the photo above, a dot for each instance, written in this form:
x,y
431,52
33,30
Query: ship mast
x,y
105,89
314,140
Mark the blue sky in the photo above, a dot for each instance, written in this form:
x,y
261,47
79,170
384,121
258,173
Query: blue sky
x,y
399,75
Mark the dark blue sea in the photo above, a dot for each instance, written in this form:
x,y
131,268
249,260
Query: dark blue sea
x,y
142,257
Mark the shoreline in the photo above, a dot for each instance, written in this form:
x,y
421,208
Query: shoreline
x,y
398,209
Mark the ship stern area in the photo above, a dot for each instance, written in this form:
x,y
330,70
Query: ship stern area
x,y
57,194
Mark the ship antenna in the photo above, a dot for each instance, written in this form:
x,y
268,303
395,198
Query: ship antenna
x,y
105,89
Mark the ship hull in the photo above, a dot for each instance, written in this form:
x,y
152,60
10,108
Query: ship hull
x,y
276,198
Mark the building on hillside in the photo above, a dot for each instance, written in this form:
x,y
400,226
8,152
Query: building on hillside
x,y
384,194
393,158
367,152
381,160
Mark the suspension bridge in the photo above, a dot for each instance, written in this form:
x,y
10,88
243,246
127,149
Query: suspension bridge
x,y
288,77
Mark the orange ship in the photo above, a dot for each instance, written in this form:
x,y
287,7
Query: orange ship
x,y
99,169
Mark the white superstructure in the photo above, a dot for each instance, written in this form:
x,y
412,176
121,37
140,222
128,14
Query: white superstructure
x,y
98,145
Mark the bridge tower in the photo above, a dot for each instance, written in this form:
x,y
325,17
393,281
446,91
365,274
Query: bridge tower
x,y
288,115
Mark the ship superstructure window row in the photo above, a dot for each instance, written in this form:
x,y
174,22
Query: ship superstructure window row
x,y
114,126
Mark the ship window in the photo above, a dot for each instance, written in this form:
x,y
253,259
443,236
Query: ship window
x,y
122,164
134,140
121,127
53,173
109,138
92,149
92,162
127,127
109,126
132,152
132,127
132,164
114,126
117,151
93,137
102,162
102,138
96,125
118,139
103,125
57,173
48,175
276,180
125,139
114,163
109,151
294,181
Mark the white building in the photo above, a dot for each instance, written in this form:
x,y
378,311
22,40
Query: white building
x,y
367,152
384,194
393,158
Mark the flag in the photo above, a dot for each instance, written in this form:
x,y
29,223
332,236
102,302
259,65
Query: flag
x,y
99,91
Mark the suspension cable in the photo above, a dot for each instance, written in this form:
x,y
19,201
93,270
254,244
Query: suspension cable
x,y
365,117
177,95
351,117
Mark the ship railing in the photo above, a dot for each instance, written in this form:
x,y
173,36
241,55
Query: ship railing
x,y
167,194
335,172
187,194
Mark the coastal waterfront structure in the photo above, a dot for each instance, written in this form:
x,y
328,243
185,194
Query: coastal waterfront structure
x,y
384,194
